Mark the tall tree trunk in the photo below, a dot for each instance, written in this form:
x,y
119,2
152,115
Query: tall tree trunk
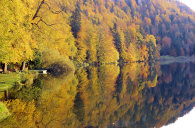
x,y
23,66
5,68
6,94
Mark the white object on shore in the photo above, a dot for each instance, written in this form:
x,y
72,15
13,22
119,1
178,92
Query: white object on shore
x,y
41,71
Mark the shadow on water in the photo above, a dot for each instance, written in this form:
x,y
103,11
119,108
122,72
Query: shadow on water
x,y
133,95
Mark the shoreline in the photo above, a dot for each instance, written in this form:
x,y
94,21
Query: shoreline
x,y
179,59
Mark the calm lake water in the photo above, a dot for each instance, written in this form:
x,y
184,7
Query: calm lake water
x,y
134,96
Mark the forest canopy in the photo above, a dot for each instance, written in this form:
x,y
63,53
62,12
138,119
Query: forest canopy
x,y
94,31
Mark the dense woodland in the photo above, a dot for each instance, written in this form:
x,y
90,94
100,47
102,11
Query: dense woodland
x,y
46,32
56,34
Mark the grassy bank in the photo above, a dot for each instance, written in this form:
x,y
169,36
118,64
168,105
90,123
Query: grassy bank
x,y
9,80
16,78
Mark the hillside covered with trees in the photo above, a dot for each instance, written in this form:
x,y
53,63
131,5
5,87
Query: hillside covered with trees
x,y
44,33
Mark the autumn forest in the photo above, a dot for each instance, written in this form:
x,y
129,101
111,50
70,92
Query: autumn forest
x,y
104,63
45,32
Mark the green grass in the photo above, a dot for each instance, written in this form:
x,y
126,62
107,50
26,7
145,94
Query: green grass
x,y
20,78
8,80
4,112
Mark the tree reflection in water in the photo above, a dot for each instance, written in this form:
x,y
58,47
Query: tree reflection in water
x,y
133,95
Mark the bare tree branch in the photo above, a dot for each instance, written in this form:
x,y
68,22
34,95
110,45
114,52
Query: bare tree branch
x,y
46,23
55,12
41,20
38,9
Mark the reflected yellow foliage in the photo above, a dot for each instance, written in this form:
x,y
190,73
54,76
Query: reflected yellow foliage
x,y
22,114
107,95
56,102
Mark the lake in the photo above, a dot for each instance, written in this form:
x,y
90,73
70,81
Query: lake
x,y
136,95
